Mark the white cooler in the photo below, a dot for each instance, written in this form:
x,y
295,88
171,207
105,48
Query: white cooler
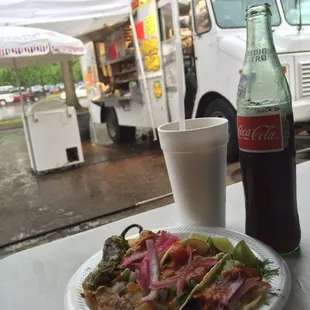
x,y
52,136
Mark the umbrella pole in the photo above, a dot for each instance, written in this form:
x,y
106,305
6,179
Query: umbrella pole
x,y
24,116
142,71
180,63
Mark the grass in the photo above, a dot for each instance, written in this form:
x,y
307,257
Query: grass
x,y
11,122
53,96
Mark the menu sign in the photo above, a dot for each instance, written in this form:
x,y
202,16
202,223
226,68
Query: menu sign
x,y
134,4
137,4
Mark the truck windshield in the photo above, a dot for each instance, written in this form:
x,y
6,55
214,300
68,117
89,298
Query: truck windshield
x,y
231,13
292,10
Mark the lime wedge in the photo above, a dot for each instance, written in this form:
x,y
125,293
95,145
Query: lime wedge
x,y
244,254
222,245
201,237
196,243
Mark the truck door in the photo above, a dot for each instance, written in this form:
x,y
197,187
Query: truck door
x,y
168,46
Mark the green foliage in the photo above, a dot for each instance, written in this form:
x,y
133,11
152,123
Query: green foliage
x,y
76,70
47,74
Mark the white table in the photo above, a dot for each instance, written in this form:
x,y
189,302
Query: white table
x,y
35,279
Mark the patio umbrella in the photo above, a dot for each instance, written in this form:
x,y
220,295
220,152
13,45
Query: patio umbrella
x,y
23,46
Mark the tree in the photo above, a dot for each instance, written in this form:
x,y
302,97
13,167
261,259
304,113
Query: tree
x,y
67,71
46,74
76,70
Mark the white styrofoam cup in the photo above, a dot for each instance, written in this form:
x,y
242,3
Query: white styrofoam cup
x,y
196,164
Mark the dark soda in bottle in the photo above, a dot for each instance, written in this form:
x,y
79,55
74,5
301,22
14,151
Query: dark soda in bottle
x,y
265,127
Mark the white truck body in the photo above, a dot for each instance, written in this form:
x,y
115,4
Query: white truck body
x,y
226,50
219,51
5,98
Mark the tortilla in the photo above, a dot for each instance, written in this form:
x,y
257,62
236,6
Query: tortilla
x,y
250,300
199,244
208,278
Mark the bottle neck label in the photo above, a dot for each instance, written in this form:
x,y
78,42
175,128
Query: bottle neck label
x,y
257,55
260,133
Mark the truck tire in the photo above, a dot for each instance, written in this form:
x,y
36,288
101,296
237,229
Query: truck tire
x,y
2,102
222,108
190,95
117,133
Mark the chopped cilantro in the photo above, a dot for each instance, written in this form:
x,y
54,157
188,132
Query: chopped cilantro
x,y
265,272
191,284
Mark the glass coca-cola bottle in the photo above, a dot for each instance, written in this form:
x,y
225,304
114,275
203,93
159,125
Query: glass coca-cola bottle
x,y
266,139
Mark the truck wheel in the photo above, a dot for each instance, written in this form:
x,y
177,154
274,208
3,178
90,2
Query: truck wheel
x,y
190,95
222,108
116,132
2,103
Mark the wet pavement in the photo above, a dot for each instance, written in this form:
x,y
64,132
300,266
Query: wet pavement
x,y
38,209
113,181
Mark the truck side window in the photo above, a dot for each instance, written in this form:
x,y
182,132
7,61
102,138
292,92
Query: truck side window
x,y
166,23
201,16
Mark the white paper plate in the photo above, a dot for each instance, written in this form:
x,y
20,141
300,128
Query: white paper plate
x,y
281,284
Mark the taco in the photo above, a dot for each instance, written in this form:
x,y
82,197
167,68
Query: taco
x,y
197,244
183,267
233,285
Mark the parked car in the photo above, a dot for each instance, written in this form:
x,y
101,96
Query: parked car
x,y
38,90
27,95
5,98
63,95
48,87
15,93
80,92
6,88
54,90
61,86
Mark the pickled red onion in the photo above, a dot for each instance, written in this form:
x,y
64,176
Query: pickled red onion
x,y
190,256
163,243
143,275
232,288
156,285
151,296
206,262
246,286
153,268
168,243
133,258
163,237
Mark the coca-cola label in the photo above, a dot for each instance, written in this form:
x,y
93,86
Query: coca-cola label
x,y
260,133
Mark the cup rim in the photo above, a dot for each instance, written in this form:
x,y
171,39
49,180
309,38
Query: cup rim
x,y
221,121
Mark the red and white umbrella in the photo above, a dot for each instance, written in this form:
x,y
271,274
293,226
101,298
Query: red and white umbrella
x,y
23,46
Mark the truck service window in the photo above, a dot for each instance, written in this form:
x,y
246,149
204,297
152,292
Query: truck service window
x,y
201,16
231,13
292,10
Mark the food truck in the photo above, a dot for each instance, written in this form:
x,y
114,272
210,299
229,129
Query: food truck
x,y
138,75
